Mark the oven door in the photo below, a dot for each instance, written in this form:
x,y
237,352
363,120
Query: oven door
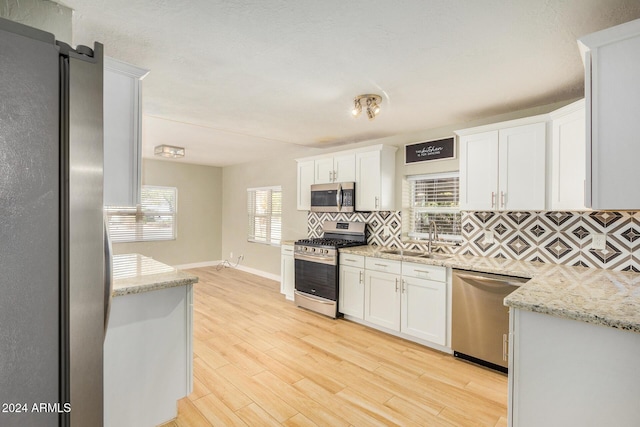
x,y
316,287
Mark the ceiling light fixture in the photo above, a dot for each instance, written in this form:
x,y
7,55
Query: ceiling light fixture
x,y
371,101
169,151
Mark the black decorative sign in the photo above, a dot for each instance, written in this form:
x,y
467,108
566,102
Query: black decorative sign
x,y
430,150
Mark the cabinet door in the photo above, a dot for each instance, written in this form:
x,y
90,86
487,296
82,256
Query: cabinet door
x,y
305,179
368,181
612,92
323,171
522,167
479,171
287,272
568,152
424,309
382,299
351,295
121,144
344,167
122,132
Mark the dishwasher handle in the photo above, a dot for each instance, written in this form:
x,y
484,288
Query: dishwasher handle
x,y
489,281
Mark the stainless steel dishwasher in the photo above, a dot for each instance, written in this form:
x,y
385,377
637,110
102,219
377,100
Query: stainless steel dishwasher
x,y
480,321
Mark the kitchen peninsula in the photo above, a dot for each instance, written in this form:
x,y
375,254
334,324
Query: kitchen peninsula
x,y
148,345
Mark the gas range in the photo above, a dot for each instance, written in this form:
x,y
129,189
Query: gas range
x,y
336,235
316,265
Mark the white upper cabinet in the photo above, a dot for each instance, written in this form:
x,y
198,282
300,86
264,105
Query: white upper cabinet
x,y
568,163
305,179
339,168
122,133
371,168
521,165
479,171
502,166
612,93
375,179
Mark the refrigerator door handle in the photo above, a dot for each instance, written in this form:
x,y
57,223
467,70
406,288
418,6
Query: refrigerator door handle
x,y
108,275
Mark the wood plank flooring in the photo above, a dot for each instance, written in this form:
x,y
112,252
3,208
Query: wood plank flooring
x,y
261,361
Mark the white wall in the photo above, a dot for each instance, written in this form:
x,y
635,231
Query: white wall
x,y
236,179
199,218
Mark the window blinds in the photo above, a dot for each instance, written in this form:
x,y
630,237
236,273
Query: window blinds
x,y
153,219
264,211
435,198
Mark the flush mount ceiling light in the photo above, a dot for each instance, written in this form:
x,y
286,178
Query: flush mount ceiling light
x,y
169,151
370,102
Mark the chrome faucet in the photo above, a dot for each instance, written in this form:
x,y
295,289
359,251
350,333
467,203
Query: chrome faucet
x,y
433,234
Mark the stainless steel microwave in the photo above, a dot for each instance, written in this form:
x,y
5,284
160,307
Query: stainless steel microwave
x,y
335,197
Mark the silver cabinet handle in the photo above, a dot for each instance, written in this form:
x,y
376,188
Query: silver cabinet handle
x,y
422,271
335,176
382,265
493,199
330,178
502,199
396,285
360,277
376,202
404,284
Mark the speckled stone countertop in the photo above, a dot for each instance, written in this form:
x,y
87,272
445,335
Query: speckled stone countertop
x,y
135,273
601,297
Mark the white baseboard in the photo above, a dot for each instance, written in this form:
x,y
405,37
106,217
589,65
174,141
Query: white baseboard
x,y
261,273
255,271
198,265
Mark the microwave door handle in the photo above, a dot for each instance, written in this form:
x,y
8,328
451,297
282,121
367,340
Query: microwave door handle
x,y
339,197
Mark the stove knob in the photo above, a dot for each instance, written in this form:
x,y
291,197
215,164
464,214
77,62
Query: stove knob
x,y
326,251
313,250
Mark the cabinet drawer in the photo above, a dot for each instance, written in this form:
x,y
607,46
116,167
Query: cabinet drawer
x,y
352,260
384,265
286,250
423,271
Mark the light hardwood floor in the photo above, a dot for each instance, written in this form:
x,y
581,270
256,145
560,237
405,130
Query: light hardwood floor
x,y
261,361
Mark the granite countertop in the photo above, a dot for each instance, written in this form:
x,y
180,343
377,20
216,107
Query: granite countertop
x,y
135,273
601,297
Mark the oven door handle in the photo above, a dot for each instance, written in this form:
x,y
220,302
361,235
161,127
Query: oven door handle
x,y
312,258
339,197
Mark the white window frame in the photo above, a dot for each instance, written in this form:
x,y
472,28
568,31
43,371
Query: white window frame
x,y
271,214
135,224
413,210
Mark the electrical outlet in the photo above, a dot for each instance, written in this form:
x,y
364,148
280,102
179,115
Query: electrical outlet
x,y
230,255
488,236
598,241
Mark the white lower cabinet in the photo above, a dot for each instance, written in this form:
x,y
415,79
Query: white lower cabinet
x,y
424,303
408,298
382,299
287,271
351,296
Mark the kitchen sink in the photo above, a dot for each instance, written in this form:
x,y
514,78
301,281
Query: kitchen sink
x,y
417,254
401,252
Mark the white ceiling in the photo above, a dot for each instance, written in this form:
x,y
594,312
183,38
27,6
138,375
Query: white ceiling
x,y
241,80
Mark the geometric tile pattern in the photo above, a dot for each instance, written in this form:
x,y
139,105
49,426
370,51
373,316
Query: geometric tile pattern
x,y
549,237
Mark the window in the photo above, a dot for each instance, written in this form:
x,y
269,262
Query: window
x,y
434,197
153,219
264,208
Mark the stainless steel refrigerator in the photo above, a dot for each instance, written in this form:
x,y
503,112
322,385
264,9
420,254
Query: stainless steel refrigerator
x,y
53,290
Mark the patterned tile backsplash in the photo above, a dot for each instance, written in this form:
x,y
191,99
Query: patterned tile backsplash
x,y
549,237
